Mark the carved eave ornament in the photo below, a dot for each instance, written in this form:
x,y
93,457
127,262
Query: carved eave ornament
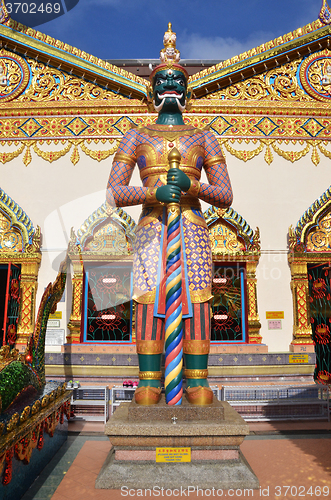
x,y
33,44
311,239
106,234
231,236
18,238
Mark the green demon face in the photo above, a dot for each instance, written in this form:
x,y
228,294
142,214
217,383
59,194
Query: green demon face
x,y
169,91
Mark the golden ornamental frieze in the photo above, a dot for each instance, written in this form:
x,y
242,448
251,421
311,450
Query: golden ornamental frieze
x,y
60,127
114,126
279,84
269,148
51,84
281,147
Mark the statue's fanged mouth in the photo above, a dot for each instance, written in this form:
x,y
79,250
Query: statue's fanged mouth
x,y
170,93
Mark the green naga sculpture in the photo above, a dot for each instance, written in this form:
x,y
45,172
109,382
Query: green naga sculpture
x,y
23,373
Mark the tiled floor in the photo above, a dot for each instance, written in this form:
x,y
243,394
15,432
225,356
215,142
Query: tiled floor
x,y
292,460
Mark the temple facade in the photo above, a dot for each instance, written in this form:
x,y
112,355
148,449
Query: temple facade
x,y
63,113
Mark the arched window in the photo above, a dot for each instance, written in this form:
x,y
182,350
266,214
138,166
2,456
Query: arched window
x,y
236,252
310,261
101,255
19,264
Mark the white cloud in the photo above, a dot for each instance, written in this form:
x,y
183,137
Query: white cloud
x,y
195,46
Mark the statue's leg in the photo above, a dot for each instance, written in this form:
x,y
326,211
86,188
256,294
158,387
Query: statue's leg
x,y
196,350
150,342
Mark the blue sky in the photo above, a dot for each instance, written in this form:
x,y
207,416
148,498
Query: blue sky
x,y
206,29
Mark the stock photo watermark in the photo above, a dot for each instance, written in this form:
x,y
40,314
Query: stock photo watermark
x,y
269,492
39,11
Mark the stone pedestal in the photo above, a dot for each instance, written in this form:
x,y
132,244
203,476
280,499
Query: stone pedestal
x,y
214,434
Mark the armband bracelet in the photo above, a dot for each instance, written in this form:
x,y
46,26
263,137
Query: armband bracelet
x,y
151,196
214,160
124,158
194,188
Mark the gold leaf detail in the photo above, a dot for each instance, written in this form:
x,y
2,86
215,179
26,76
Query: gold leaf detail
x,y
324,151
291,155
75,156
243,154
97,154
6,157
315,156
50,84
51,155
13,422
278,84
268,157
27,158
36,407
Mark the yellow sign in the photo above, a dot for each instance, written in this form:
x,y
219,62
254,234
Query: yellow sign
x,y
168,454
274,314
298,358
56,315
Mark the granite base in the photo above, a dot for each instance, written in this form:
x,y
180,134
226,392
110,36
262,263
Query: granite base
x,y
216,459
223,474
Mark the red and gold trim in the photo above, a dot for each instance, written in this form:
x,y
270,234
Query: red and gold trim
x,y
199,296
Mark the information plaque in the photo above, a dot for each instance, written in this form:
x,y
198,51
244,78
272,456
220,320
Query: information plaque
x,y
168,454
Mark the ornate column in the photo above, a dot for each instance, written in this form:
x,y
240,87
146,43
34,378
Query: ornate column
x,y
28,285
254,324
30,262
302,332
75,321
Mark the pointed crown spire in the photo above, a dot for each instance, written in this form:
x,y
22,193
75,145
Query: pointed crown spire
x,y
169,41
169,55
